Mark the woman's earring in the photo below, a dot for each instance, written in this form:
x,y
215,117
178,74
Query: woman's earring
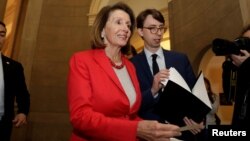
x,y
102,34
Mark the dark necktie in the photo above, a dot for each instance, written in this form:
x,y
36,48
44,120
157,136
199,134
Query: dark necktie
x,y
155,65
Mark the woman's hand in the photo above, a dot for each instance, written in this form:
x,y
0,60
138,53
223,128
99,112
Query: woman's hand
x,y
155,131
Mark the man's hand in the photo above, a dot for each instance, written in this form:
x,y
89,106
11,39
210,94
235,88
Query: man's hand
x,y
158,78
239,59
19,120
190,122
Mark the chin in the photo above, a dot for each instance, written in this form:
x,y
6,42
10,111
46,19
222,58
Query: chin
x,y
122,45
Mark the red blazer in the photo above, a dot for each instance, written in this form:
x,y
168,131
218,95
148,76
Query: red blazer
x,y
99,107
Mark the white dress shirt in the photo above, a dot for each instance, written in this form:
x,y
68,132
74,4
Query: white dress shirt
x,y
1,88
160,60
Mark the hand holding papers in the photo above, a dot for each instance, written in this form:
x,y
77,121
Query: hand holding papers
x,y
176,78
178,101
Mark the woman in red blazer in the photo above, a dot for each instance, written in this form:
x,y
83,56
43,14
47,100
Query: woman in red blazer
x,y
103,90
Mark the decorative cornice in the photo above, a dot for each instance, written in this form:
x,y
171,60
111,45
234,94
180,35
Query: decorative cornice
x,y
164,12
95,6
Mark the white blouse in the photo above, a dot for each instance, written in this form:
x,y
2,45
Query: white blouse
x,y
127,84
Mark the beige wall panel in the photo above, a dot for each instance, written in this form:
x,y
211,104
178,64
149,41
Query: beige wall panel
x,y
50,36
194,24
245,9
44,127
2,8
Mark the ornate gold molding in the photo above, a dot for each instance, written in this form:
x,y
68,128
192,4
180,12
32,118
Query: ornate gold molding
x,y
95,6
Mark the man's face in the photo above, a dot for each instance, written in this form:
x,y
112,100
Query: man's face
x,y
151,40
2,35
247,34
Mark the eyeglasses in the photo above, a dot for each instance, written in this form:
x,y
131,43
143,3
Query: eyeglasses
x,y
2,33
155,30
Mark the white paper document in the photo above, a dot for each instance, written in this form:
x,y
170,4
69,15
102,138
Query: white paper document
x,y
199,89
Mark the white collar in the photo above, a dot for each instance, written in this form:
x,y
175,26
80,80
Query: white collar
x,y
159,52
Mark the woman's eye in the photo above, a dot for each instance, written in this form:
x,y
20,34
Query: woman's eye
x,y
118,22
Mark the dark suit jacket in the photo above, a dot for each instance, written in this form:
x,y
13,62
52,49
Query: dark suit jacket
x,y
14,89
242,97
172,59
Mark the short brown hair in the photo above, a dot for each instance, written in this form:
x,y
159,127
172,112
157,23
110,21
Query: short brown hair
x,y
143,15
245,29
101,20
3,24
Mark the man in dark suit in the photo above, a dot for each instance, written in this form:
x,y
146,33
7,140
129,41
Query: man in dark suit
x,y
12,88
241,106
151,27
